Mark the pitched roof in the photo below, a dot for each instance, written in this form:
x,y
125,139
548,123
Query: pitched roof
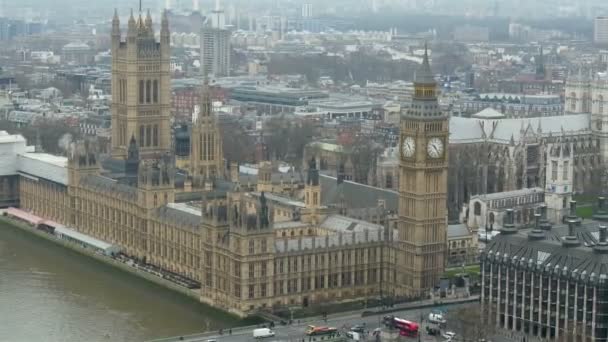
x,y
355,195
467,130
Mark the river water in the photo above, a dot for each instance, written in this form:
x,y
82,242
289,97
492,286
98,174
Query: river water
x,y
49,293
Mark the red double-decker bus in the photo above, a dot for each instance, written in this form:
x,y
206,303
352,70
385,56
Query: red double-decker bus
x,y
406,328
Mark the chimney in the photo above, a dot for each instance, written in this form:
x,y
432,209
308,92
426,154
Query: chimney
x,y
573,208
544,223
603,234
600,214
537,233
571,240
509,227
602,245
572,216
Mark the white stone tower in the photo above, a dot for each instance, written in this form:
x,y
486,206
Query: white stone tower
x,y
559,184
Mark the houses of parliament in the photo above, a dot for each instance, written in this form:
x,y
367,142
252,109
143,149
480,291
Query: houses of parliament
x,y
251,245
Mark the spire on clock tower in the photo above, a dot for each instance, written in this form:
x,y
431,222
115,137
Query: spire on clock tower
x,y
424,75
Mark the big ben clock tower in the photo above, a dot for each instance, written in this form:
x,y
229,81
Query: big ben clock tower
x,y
422,238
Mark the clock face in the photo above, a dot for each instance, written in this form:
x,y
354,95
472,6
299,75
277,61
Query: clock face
x,y
408,147
435,148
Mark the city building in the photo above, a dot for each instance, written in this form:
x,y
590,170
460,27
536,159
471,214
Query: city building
x,y
600,31
77,53
548,281
307,10
141,90
515,105
215,45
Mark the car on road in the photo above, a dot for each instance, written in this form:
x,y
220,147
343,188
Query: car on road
x,y
313,330
358,328
262,333
449,335
433,331
437,318
353,335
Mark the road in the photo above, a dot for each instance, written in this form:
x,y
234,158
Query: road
x,y
295,331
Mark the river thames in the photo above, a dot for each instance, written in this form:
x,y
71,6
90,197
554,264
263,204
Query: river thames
x,y
49,293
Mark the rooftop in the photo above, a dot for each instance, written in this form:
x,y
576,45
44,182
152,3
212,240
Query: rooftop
x,y
47,158
548,253
509,194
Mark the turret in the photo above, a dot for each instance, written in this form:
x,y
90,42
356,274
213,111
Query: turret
x,y
148,24
82,160
264,177
165,35
156,183
115,32
312,195
132,162
132,28
206,105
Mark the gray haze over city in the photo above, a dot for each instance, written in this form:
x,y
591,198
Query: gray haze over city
x,y
365,170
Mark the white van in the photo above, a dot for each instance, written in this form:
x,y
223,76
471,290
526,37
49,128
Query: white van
x,y
262,333
436,318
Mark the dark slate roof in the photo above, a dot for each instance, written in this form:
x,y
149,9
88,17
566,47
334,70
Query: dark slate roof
x,y
548,254
180,218
276,178
456,231
105,184
355,195
114,166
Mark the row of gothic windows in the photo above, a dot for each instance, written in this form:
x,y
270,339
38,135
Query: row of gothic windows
x,y
148,91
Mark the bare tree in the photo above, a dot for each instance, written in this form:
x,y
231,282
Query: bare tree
x,y
364,155
472,323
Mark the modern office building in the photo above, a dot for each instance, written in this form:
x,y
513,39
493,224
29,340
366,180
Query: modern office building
x,y
215,45
550,282
600,31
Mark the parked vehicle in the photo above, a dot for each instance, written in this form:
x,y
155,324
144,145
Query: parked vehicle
x,y
262,333
433,331
313,330
353,335
436,318
449,335
358,328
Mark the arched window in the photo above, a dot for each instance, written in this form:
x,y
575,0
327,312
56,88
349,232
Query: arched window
x,y
477,209
155,136
141,91
573,102
155,91
148,135
141,136
148,91
600,105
